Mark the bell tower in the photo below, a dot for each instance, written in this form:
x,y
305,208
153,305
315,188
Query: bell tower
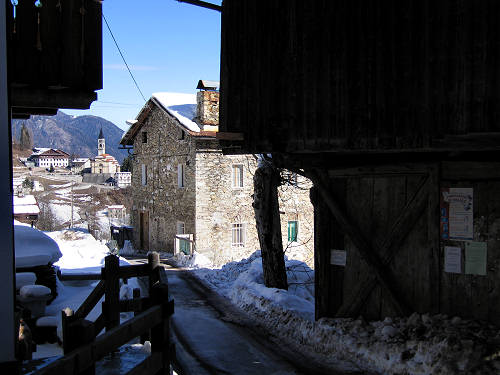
x,y
101,144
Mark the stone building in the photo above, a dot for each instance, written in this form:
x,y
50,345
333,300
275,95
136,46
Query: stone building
x,y
184,187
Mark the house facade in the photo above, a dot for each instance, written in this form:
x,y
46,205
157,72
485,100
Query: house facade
x,y
183,187
47,157
103,163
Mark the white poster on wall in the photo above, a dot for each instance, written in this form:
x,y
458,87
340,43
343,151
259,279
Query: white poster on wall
x,y
452,259
457,214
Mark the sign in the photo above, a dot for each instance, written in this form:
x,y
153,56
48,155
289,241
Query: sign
x,y
457,218
475,258
338,257
452,259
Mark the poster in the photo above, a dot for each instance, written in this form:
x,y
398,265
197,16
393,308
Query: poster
x,y
452,259
457,218
338,257
475,258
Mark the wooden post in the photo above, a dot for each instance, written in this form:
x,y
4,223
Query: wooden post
x,y
160,334
154,263
137,295
77,332
111,305
8,338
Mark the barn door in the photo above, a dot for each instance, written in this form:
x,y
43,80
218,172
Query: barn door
x,y
385,223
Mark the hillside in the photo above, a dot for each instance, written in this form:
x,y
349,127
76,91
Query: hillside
x,y
74,135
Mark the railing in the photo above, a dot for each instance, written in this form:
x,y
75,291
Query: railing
x,y
83,348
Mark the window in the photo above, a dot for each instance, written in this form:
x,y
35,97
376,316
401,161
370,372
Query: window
x,y
181,227
144,174
238,235
181,134
293,230
237,176
144,137
180,175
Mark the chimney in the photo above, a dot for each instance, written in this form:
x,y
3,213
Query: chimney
x,y
207,105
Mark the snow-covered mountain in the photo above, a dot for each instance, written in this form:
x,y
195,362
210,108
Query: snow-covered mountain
x,y
74,135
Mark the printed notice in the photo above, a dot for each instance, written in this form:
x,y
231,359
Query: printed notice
x,y
475,258
338,257
452,259
457,219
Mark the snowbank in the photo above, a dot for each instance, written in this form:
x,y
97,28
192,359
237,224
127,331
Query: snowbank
x,y
34,247
419,344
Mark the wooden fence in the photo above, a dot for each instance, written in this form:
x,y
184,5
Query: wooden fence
x,y
81,343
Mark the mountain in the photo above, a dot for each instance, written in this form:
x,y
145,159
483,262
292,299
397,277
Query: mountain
x,y
74,135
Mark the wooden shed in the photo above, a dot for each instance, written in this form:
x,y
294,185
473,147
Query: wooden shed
x,y
392,110
54,55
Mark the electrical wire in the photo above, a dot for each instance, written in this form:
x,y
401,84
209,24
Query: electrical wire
x,y
123,58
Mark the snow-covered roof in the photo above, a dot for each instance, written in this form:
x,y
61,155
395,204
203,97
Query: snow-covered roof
x,y
34,248
81,160
25,205
181,106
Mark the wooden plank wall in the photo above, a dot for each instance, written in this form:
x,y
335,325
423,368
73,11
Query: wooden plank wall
x,y
373,201
357,75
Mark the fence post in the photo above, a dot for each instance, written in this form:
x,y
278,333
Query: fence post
x,y
154,263
160,334
111,292
76,333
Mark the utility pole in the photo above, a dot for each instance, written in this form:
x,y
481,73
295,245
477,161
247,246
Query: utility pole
x,y
72,184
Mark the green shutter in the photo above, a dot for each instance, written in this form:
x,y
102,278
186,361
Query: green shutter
x,y
292,231
184,246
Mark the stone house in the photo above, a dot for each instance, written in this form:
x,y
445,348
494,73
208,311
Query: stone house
x,y
184,187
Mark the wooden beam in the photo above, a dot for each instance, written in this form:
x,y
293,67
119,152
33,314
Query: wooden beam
x,y
150,365
29,97
227,136
401,227
92,300
366,250
202,4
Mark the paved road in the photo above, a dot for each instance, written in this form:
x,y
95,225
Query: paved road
x,y
214,337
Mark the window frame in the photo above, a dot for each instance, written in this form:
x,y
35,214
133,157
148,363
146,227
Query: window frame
x,y
237,183
238,240
181,183
144,175
144,137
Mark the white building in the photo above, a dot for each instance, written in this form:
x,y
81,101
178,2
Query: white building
x,y
47,157
123,179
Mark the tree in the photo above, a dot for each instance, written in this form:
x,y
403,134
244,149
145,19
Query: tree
x,y
51,169
28,184
25,138
267,217
127,164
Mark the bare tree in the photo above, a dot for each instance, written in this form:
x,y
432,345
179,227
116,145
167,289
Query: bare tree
x,y
46,218
266,181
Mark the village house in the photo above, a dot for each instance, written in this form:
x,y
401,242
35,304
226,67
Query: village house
x,y
79,165
49,157
183,187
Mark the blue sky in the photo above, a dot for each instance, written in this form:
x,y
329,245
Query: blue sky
x,y
168,45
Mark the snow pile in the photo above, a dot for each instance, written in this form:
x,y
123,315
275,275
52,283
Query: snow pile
x,y
419,344
181,106
34,291
197,260
34,248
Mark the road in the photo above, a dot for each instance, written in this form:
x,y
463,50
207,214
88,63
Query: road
x,y
213,337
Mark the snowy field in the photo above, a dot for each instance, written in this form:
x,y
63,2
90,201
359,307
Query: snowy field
x,y
419,344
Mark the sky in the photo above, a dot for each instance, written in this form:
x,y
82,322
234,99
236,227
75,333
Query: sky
x,y
168,46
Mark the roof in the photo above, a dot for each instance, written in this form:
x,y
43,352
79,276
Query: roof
x,y
50,152
25,205
204,84
181,107
101,136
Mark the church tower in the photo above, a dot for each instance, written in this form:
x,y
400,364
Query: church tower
x,y
101,144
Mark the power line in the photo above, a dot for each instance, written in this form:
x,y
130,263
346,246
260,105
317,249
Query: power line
x,y
123,58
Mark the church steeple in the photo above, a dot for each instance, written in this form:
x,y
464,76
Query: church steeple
x,y
101,144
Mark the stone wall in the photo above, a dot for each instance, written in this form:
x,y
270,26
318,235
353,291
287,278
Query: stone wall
x,y
219,205
161,198
207,108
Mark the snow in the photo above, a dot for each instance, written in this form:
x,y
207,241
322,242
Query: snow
x,y
181,106
25,205
25,278
47,321
34,248
419,344
34,291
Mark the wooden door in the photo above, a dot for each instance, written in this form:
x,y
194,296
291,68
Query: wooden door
x,y
144,230
387,222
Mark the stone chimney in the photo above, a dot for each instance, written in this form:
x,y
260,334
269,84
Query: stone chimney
x,y
207,106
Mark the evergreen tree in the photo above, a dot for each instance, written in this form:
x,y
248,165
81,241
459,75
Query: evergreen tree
x,y
127,164
25,138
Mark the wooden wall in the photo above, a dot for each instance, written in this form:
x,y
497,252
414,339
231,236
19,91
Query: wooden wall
x,y
336,75
397,210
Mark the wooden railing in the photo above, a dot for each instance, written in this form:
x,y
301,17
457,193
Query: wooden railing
x,y
82,345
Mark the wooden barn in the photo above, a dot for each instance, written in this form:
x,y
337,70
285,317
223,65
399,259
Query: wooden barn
x,y
392,109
